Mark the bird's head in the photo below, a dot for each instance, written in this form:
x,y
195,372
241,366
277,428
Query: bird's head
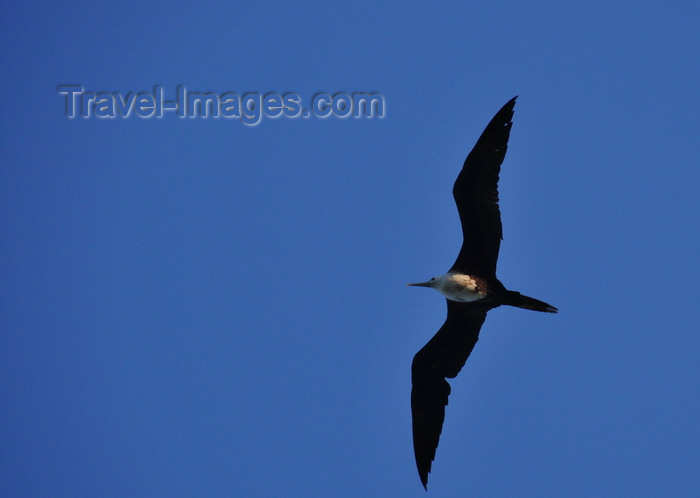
x,y
433,282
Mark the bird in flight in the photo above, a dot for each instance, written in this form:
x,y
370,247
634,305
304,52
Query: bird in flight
x,y
470,286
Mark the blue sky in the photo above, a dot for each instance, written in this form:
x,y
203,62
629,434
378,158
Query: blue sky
x,y
197,307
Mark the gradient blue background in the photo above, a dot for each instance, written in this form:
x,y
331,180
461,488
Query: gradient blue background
x,y
195,307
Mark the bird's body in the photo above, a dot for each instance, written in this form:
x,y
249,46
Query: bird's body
x,y
458,287
470,287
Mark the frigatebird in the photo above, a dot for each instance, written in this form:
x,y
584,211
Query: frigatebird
x,y
470,286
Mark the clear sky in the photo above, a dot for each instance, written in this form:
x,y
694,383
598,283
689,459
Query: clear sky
x,y
203,307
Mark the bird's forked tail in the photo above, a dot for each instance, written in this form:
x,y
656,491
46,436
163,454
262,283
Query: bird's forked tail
x,y
519,301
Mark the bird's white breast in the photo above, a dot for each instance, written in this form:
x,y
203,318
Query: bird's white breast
x,y
461,288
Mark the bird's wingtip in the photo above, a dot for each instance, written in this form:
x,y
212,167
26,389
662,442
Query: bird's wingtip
x,y
423,475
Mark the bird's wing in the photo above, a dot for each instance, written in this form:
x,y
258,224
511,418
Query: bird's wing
x,y
476,194
443,356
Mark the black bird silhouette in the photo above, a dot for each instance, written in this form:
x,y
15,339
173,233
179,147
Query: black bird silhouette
x,y
470,286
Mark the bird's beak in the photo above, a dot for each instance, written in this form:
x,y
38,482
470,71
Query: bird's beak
x,y
421,284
